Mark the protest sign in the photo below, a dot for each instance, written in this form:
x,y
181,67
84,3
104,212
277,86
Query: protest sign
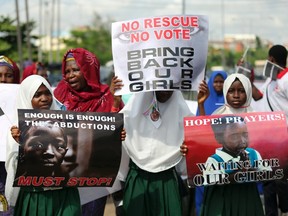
x,y
264,139
271,70
8,94
244,71
64,148
167,52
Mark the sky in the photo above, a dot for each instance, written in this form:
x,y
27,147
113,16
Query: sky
x,y
265,18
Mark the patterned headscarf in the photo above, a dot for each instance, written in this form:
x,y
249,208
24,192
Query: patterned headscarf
x,y
70,57
5,61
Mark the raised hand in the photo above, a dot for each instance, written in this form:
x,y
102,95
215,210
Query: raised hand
x,y
203,94
15,132
116,84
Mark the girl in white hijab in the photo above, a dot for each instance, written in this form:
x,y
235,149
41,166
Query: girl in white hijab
x,y
36,201
231,105
233,199
154,131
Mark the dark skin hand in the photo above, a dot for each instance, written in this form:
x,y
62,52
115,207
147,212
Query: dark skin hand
x,y
15,132
123,134
116,84
183,149
203,94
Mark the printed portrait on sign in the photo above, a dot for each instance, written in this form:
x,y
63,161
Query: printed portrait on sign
x,y
42,150
63,148
236,148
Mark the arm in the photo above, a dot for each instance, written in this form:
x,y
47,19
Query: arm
x,y
116,84
256,93
12,148
15,133
203,94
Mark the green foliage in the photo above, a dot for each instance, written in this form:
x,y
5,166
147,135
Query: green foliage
x,y
8,38
231,56
96,39
214,57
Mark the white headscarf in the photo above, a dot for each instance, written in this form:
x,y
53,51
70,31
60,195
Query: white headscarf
x,y
227,109
27,89
151,147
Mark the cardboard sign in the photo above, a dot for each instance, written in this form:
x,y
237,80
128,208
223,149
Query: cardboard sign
x,y
271,70
63,148
8,94
265,153
157,53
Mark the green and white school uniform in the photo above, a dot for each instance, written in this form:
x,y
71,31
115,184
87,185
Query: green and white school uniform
x,y
36,201
152,185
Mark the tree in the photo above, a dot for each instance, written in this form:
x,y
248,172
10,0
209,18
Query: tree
x,y
8,38
96,39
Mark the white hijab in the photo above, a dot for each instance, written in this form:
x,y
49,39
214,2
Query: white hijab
x,y
151,147
226,108
27,89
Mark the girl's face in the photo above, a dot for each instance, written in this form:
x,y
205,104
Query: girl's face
x,y
74,76
218,84
45,146
236,138
6,75
163,96
42,98
236,96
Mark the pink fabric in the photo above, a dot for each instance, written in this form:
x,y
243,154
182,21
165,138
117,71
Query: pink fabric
x,y
28,71
16,73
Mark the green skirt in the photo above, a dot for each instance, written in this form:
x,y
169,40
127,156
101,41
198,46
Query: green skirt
x,y
62,202
232,200
151,194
